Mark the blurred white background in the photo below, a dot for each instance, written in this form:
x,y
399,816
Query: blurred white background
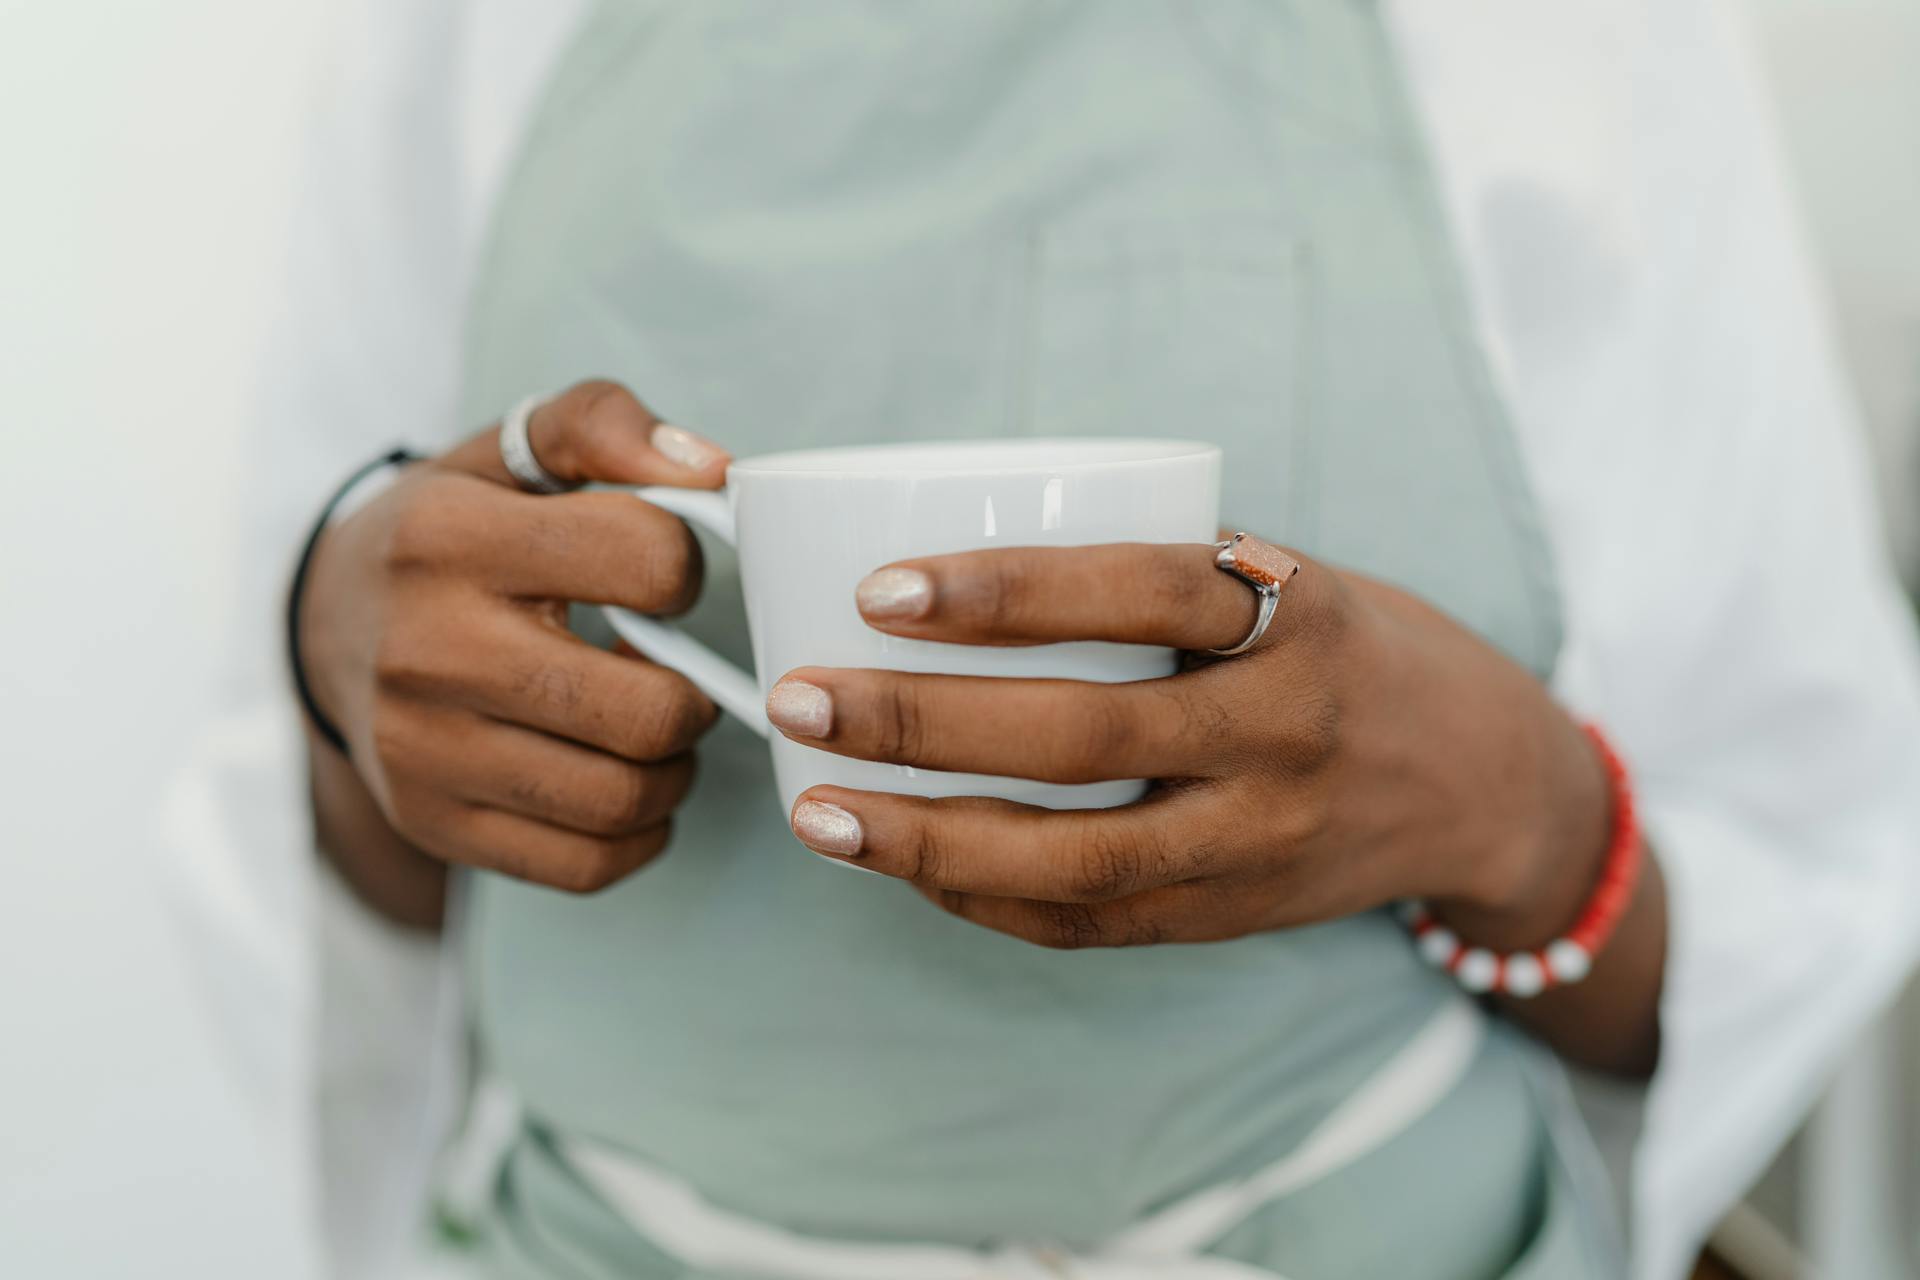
x,y
148,154
147,150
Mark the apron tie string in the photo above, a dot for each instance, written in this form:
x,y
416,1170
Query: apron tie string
x,y
1167,1245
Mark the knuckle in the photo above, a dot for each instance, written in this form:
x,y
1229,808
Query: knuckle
x,y
1206,734
701,716
599,396
923,854
586,874
666,725
425,529
406,661
673,567
1002,600
607,862
529,793
1309,739
622,805
1067,926
684,717
607,414
1215,910
600,865
548,687
1211,726
1299,821
641,735
1109,864
631,799
1144,928
899,725
1322,606
1175,590
1108,731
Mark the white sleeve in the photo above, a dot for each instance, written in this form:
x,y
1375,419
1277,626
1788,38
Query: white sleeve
x,y
414,125
1732,618
336,1025
364,351
1737,624
1768,697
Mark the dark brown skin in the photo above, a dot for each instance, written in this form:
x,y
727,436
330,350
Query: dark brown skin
x,y
1368,750
481,730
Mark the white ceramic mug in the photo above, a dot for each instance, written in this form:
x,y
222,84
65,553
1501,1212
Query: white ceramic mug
x,y
811,524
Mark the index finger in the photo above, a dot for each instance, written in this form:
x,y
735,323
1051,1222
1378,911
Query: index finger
x,y
598,431
1129,593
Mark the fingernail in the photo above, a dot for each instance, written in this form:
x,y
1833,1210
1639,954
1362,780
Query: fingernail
x,y
802,708
826,828
894,593
677,444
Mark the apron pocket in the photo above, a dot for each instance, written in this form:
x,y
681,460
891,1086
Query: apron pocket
x,y
1193,330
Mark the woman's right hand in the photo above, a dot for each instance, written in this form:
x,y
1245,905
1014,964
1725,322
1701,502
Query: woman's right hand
x,y
434,634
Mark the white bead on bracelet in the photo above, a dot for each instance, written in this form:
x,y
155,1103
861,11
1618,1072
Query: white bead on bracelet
x,y
1479,970
1569,958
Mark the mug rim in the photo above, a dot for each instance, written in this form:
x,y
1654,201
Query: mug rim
x,y
1055,454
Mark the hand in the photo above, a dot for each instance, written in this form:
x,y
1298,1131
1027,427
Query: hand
x,y
434,635
1368,749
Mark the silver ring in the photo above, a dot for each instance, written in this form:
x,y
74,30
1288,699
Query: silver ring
x,y
516,452
1262,566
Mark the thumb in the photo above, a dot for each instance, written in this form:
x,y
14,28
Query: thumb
x,y
597,431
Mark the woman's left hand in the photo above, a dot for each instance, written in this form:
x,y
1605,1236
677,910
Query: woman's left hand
x,y
1368,749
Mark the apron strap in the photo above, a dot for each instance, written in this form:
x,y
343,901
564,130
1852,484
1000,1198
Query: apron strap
x,y
679,1221
1388,1102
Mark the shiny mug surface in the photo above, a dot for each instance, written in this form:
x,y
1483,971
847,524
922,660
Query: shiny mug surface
x,y
810,524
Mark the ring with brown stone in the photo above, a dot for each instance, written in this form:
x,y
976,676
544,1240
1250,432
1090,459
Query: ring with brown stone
x,y
1262,566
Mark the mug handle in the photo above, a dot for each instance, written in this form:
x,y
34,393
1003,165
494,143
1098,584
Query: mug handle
x,y
736,691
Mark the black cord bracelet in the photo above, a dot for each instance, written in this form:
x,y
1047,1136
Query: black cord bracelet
x,y
297,592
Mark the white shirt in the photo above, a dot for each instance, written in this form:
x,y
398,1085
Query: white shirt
x,y
1731,616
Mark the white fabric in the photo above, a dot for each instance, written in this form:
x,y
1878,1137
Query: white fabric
x,y
1611,177
1168,1245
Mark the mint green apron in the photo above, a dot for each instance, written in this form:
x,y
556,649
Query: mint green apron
x,y
797,224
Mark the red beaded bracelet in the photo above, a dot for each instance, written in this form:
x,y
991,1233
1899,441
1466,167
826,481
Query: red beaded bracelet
x,y
1567,959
